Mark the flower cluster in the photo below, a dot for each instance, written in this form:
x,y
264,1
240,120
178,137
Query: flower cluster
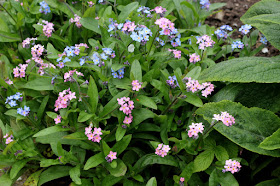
x,y
205,4
169,30
95,135
177,53
90,3
195,128
146,11
222,31
27,41
64,98
8,138
172,81
194,58
118,74
107,52
141,34
44,7
69,52
225,117
237,44
127,106
11,100
159,10
47,28
245,29
136,85
57,120
204,42
162,150
76,20
20,70
194,86
232,166
36,52
160,41
111,156
263,40
23,111
68,76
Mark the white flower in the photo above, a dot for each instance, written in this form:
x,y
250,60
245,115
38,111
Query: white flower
x,y
131,48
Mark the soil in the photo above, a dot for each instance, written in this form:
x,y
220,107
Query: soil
x,y
230,15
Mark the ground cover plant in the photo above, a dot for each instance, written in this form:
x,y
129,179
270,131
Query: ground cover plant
x,y
118,92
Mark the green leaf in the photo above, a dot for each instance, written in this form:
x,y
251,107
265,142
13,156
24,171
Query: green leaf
x,y
140,115
93,94
83,116
50,130
111,180
120,133
260,95
33,179
52,52
150,159
221,153
193,99
5,180
94,161
269,182
120,146
194,73
224,179
146,101
8,37
127,10
53,173
17,167
118,171
246,69
264,16
187,172
91,24
49,162
52,115
113,104
75,174
136,71
203,160
272,142
42,107
40,83
252,125
152,182
105,148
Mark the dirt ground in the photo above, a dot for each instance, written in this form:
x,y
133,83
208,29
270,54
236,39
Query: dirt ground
x,y
230,15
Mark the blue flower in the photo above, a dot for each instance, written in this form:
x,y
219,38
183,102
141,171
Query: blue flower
x,y
115,74
245,29
103,56
17,96
13,103
107,51
263,40
66,60
19,111
120,26
121,71
95,59
70,52
82,61
44,7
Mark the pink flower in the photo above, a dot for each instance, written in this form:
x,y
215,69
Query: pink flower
x,y
194,58
88,130
71,95
76,20
120,101
96,138
47,28
159,10
182,179
195,128
90,136
97,131
127,120
123,107
225,117
112,155
232,166
57,119
162,150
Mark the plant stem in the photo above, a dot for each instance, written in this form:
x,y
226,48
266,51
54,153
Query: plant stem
x,y
200,139
172,103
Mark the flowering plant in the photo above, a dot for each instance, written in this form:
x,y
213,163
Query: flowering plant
x,y
117,92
